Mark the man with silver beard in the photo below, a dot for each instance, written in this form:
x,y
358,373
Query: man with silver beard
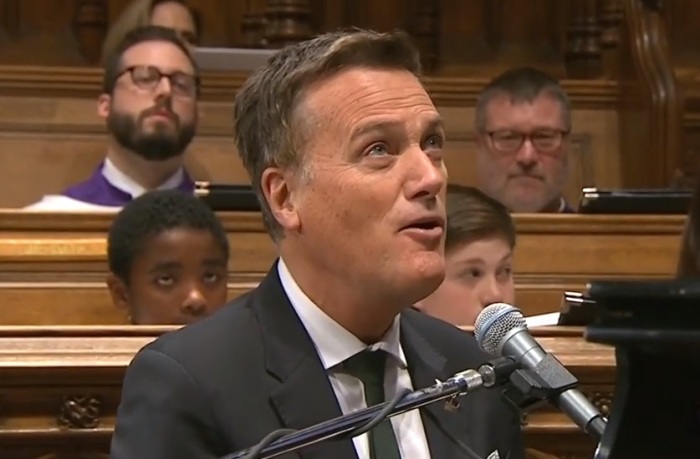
x,y
149,104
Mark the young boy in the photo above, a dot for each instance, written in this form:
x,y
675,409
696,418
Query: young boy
x,y
168,256
479,243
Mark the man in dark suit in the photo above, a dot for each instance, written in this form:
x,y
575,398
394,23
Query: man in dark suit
x,y
344,147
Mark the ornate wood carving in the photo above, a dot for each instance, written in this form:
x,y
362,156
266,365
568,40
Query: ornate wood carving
x,y
583,52
90,21
650,114
79,412
654,5
611,17
601,400
287,21
253,24
521,33
11,17
425,30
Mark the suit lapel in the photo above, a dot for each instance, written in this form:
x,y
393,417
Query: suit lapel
x,y
302,394
444,427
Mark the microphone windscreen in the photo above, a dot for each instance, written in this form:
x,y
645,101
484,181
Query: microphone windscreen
x,y
494,323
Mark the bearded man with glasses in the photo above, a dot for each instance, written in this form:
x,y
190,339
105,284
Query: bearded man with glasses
x,y
149,104
522,122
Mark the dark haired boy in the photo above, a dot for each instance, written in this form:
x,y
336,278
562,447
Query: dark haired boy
x,y
168,255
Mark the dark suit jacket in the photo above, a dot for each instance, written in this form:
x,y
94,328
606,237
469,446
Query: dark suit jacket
x,y
220,385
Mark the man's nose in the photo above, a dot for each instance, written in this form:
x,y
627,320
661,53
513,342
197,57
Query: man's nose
x,y
527,154
163,88
428,175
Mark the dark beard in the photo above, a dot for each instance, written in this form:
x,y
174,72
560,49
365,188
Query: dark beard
x,y
161,144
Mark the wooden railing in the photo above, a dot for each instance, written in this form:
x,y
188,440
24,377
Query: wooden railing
x,y
53,266
60,388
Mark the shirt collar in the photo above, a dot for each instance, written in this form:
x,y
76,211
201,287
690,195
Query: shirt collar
x,y
562,205
334,343
123,182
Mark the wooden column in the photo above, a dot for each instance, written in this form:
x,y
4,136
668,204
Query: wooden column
x,y
287,22
424,29
253,24
11,17
583,52
610,20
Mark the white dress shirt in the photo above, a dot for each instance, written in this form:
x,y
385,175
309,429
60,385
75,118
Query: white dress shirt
x,y
334,345
117,178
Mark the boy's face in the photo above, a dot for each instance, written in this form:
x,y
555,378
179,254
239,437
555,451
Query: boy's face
x,y
478,273
179,277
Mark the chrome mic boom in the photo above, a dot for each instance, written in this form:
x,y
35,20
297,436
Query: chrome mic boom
x,y
490,374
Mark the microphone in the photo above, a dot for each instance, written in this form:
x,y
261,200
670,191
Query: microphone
x,y
501,329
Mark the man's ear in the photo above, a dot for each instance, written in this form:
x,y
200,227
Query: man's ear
x,y
278,191
104,105
119,293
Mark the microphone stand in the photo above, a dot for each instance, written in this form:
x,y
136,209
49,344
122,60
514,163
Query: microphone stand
x,y
529,389
488,375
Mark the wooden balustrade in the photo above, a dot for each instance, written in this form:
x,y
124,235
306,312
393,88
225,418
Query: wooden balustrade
x,y
53,266
60,389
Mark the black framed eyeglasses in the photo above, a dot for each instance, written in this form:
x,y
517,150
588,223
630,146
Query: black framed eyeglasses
x,y
148,77
546,141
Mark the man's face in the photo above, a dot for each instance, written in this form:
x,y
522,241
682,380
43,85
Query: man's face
x,y
152,116
370,209
479,273
174,15
523,153
179,277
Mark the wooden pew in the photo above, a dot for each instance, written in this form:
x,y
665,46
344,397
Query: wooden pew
x,y
60,389
53,266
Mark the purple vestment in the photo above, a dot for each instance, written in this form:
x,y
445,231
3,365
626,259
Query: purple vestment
x,y
97,190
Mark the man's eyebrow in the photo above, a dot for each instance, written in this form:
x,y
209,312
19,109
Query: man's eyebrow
x,y
373,126
435,123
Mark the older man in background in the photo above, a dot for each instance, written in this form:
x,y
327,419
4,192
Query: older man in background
x,y
523,125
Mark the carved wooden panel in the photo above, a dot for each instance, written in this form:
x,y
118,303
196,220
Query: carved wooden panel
x,y
454,35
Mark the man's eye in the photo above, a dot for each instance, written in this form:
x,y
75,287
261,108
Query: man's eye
x,y
378,149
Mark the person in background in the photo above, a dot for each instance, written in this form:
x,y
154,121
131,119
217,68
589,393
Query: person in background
x,y
523,124
173,14
168,259
479,244
344,148
149,104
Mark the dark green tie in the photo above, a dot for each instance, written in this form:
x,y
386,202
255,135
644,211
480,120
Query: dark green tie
x,y
369,367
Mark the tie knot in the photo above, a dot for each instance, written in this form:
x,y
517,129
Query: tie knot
x,y
368,367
